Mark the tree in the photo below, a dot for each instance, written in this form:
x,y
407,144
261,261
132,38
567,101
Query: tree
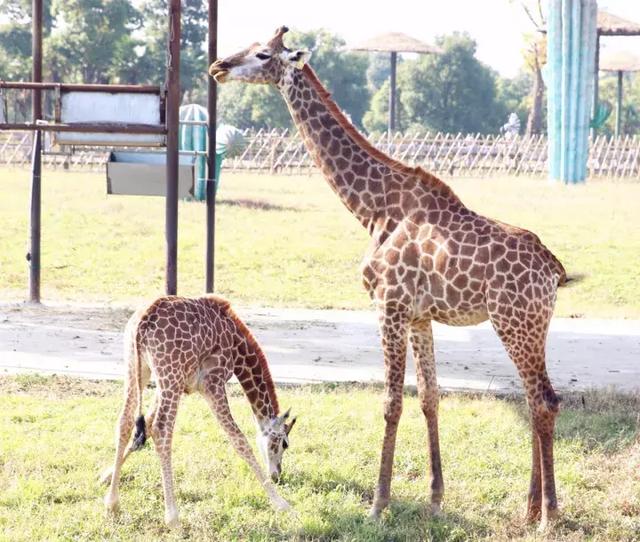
x,y
534,56
452,91
92,41
379,70
193,36
513,95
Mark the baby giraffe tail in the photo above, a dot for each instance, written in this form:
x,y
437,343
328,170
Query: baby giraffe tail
x,y
140,436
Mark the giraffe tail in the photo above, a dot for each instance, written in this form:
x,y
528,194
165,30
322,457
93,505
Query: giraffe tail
x,y
570,280
140,436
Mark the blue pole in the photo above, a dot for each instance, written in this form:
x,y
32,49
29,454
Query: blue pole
x,y
565,98
554,55
574,97
571,56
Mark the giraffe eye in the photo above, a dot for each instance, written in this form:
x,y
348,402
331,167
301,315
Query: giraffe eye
x,y
263,56
285,444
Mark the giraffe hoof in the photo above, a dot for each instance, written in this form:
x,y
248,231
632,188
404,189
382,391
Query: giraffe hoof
x,y
171,520
281,505
112,504
106,475
436,509
548,519
375,512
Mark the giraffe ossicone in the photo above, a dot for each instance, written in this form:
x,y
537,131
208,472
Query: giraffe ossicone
x,y
196,344
430,258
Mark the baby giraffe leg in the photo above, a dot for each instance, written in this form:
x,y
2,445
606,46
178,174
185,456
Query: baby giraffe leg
x,y
107,475
214,392
123,434
162,434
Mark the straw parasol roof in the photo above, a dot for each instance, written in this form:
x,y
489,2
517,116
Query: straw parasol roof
x,y
623,61
395,42
612,25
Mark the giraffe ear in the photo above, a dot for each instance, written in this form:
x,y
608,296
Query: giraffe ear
x,y
289,426
299,57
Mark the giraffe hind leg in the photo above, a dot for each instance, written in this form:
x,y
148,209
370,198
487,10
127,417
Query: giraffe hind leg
x,y
123,433
525,344
422,344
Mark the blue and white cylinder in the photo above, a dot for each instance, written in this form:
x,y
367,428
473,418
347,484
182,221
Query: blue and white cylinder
x,y
571,44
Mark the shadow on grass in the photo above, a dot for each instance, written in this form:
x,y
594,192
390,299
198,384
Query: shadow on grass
x,y
259,205
403,520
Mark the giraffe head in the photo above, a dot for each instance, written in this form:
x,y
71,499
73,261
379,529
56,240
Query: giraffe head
x,y
273,440
259,63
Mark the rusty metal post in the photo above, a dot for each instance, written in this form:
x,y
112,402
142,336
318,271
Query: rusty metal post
x,y
33,256
211,155
173,119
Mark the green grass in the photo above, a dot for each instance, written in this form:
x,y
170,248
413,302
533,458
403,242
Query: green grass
x,y
56,434
300,247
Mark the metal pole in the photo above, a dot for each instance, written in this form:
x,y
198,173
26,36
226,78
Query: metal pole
x,y
33,256
619,105
392,94
211,156
173,119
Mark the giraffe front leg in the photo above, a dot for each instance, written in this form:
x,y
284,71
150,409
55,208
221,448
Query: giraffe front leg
x,y
422,344
214,392
393,329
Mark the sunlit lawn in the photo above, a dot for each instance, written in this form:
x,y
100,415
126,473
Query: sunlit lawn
x,y
56,434
300,247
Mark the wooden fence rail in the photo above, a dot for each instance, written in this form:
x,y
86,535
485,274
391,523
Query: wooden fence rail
x,y
271,151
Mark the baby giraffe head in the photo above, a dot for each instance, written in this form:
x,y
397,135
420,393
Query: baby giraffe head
x,y
273,440
259,63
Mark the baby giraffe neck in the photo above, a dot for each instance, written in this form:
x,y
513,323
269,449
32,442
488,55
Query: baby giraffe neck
x,y
252,371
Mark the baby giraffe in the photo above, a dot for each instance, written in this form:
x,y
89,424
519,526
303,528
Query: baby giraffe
x,y
195,345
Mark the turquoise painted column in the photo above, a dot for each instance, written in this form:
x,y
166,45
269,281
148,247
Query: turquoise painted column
x,y
571,48
193,137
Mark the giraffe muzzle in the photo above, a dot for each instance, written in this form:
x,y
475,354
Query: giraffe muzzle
x,y
219,70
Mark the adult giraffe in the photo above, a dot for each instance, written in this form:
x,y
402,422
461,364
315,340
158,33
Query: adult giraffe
x,y
430,258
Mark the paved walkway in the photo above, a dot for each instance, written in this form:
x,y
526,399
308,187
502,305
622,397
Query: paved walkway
x,y
317,345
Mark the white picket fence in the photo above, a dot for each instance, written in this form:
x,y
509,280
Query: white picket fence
x,y
280,151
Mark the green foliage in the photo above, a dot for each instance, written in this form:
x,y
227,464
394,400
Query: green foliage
x,y
379,70
92,41
630,102
453,91
513,96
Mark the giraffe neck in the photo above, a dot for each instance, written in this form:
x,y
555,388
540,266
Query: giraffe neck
x,y
252,371
349,168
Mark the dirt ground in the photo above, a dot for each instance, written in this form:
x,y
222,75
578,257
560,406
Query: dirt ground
x,y
320,345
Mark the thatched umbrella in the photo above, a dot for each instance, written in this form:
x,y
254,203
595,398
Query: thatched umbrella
x,y
610,25
620,63
394,43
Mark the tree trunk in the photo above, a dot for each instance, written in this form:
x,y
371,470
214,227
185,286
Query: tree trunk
x,y
534,122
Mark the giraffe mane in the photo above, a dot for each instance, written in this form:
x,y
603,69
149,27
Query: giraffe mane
x,y
364,143
262,359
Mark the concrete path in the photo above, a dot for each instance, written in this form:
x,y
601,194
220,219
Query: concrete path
x,y
318,345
